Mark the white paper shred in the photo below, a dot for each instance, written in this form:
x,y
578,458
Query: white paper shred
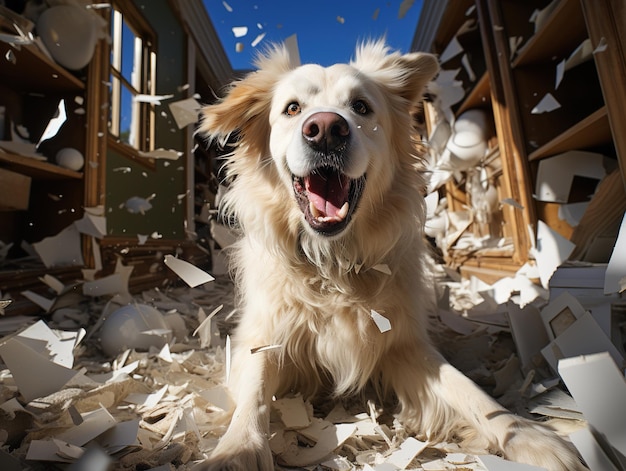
x,y
188,272
381,321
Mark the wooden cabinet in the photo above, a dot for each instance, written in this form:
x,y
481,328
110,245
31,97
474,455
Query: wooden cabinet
x,y
523,59
32,86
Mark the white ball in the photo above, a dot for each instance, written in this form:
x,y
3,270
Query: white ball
x,y
70,158
135,326
69,32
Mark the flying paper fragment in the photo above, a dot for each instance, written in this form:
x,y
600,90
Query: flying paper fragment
x,y
189,273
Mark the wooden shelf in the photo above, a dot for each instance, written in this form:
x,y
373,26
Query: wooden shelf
x,y
36,169
33,71
479,96
564,25
592,131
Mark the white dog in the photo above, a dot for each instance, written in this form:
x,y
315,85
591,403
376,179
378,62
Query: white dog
x,y
327,189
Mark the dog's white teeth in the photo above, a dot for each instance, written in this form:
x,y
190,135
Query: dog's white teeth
x,y
314,211
343,212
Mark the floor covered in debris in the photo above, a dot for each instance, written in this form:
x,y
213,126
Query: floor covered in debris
x,y
67,404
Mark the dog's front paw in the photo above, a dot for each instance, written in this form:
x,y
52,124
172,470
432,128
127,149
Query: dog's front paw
x,y
537,445
244,455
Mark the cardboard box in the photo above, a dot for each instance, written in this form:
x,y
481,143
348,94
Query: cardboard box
x,y
14,190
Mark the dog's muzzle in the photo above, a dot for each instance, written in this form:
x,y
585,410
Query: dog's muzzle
x,y
327,196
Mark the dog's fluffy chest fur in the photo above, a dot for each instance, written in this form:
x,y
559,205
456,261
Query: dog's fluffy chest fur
x,y
324,327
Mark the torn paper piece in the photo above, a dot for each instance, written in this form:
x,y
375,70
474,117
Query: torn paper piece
x,y
601,47
257,40
546,104
95,226
495,463
452,50
25,149
185,112
291,44
34,374
409,449
53,450
383,268
41,301
53,283
560,314
583,337
293,412
468,68
551,251
335,437
381,321
239,31
167,154
616,270
146,400
119,436
512,202
152,99
204,330
591,451
404,7
556,174
94,423
555,403
581,54
560,71
138,205
189,273
219,397
63,249
599,389
55,124
527,331
57,346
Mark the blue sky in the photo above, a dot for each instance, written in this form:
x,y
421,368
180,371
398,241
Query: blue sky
x,y
327,30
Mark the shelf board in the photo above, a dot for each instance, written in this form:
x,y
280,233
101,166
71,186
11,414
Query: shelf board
x,y
555,36
478,96
33,71
36,169
592,131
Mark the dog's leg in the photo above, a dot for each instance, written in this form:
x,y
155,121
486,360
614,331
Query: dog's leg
x,y
245,446
435,397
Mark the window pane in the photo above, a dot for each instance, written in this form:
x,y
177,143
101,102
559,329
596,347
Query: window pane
x,y
129,62
127,132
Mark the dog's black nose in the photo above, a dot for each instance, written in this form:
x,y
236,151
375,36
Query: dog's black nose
x,y
325,131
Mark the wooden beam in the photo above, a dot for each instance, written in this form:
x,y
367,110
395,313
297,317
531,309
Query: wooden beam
x,y
515,169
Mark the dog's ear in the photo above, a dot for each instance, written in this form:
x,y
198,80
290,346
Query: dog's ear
x,y
245,108
405,75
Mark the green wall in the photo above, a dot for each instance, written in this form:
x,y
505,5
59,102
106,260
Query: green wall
x,y
167,180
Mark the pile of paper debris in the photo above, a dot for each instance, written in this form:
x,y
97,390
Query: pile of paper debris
x,y
64,404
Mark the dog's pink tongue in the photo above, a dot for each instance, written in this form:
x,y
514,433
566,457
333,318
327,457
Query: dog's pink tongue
x,y
327,194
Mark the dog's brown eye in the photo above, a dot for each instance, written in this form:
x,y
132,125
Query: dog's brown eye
x,y
292,109
360,107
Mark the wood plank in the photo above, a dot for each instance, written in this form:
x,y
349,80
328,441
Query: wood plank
x,y
562,30
606,21
36,169
479,97
32,71
515,171
592,131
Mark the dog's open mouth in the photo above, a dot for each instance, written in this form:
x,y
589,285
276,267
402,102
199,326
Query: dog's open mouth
x,y
328,199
